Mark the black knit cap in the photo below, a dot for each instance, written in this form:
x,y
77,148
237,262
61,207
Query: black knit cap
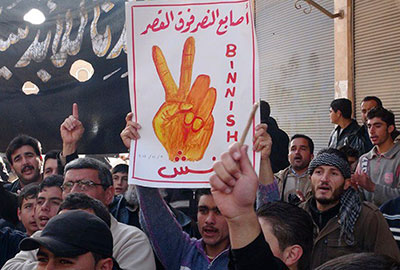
x,y
73,233
331,157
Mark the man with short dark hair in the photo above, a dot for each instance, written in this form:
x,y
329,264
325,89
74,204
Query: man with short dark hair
x,y
352,156
360,140
43,205
294,181
339,215
73,240
125,205
132,249
51,164
48,200
288,231
10,238
120,178
234,187
131,246
368,103
340,114
378,171
75,201
26,208
174,247
24,153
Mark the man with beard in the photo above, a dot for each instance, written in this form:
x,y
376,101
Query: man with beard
x,y
24,153
342,223
293,182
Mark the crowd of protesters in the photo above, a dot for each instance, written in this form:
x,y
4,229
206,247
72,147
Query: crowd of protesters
x,y
335,209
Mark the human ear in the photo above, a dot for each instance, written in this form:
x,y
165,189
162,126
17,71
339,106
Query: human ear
x,y
104,264
292,254
19,214
347,183
109,195
390,128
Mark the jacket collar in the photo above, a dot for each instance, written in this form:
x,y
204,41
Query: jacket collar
x,y
389,154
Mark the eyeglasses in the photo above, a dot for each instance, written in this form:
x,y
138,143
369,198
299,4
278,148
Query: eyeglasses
x,y
83,185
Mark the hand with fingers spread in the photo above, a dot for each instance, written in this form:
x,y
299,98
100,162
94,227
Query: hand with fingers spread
x,y
71,131
262,141
184,122
234,183
130,132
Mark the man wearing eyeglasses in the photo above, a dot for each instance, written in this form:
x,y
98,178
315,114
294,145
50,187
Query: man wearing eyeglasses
x,y
132,248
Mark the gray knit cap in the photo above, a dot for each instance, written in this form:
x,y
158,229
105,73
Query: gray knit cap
x,y
330,159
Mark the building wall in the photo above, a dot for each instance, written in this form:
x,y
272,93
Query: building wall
x,y
297,71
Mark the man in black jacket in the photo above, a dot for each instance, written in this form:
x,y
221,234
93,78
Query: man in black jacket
x,y
234,187
340,114
360,140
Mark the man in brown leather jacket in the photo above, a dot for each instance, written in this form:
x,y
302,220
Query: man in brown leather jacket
x,y
342,223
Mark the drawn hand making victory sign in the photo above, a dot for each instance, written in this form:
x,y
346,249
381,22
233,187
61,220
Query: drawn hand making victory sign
x,y
184,122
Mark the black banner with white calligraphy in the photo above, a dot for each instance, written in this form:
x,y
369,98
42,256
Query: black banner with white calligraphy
x,y
44,54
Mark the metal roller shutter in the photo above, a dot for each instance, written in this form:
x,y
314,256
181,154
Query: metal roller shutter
x,y
377,53
297,66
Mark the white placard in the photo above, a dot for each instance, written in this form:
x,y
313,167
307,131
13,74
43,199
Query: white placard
x,y
190,113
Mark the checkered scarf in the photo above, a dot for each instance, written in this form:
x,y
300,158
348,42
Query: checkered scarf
x,y
350,201
349,212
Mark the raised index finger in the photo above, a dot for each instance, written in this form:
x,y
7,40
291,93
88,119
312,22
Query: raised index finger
x,y
75,112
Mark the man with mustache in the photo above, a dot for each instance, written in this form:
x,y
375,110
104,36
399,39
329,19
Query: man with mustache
x,y
338,214
293,182
24,153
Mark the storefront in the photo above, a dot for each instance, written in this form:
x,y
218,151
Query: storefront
x,y
307,59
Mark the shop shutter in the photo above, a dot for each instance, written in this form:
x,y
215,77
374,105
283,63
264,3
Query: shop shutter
x,y
296,52
377,53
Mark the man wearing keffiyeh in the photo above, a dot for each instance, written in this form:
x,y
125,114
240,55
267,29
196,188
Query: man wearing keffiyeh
x,y
343,224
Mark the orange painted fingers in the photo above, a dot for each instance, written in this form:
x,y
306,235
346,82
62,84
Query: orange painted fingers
x,y
165,75
186,68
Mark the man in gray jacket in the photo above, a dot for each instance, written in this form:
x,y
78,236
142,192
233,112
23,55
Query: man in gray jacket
x,y
378,171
